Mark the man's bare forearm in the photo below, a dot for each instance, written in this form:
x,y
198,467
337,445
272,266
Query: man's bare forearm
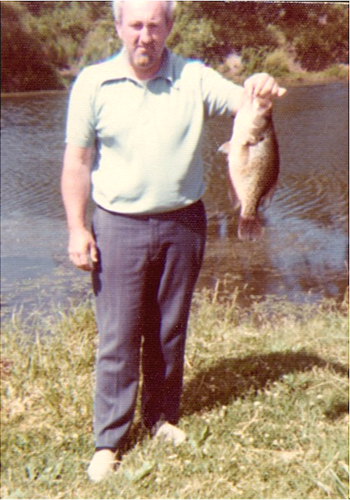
x,y
75,184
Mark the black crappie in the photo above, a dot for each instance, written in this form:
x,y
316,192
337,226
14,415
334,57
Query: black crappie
x,y
253,164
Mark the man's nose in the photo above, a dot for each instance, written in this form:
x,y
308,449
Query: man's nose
x,y
145,35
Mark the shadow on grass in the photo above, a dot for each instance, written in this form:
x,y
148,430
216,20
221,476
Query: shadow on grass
x,y
232,378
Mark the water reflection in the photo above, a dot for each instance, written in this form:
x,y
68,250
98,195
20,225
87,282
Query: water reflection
x,y
304,250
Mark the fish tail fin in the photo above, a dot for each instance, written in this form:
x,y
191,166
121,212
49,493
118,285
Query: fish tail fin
x,y
250,228
225,148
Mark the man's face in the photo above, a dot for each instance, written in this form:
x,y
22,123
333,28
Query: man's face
x,y
143,30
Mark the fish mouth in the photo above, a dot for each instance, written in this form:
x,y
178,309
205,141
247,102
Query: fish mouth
x,y
263,106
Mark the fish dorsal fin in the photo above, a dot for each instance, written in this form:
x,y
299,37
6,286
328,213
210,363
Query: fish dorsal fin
x,y
225,148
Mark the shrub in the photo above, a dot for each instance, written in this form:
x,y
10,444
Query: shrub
x,y
337,71
195,38
101,43
253,60
276,63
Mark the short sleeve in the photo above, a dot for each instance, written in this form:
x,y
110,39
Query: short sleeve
x,y
80,130
221,96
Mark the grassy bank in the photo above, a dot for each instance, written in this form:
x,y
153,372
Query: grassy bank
x,y
265,408
333,74
336,73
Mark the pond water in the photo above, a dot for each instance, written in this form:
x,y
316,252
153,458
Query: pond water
x,y
302,256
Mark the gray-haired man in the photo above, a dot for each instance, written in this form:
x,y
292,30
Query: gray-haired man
x,y
133,134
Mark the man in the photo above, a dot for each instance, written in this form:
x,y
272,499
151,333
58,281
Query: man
x,y
134,132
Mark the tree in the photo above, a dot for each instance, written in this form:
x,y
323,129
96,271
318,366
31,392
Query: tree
x,y
319,32
23,64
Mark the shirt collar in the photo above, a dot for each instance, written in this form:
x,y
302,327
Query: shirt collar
x,y
117,69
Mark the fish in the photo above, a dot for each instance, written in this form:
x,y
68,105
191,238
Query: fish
x,y
253,164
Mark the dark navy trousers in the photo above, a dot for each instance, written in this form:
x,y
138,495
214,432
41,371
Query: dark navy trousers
x,y
143,286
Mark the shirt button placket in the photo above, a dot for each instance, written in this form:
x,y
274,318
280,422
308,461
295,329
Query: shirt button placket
x,y
146,115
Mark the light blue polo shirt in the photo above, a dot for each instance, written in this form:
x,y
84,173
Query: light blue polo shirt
x,y
147,134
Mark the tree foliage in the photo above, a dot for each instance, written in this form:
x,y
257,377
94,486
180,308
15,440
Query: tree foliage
x,y
24,65
69,34
318,31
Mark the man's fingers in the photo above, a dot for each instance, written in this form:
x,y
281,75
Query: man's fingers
x,y
94,254
81,261
82,249
263,85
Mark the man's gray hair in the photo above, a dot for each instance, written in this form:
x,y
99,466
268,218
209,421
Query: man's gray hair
x,y
118,7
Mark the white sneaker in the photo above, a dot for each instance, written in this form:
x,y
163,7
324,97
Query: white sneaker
x,y
169,433
101,465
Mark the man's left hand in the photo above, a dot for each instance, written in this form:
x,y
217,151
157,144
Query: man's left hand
x,y
263,85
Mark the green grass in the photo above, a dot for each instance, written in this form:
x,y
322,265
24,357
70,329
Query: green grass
x,y
335,73
265,407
